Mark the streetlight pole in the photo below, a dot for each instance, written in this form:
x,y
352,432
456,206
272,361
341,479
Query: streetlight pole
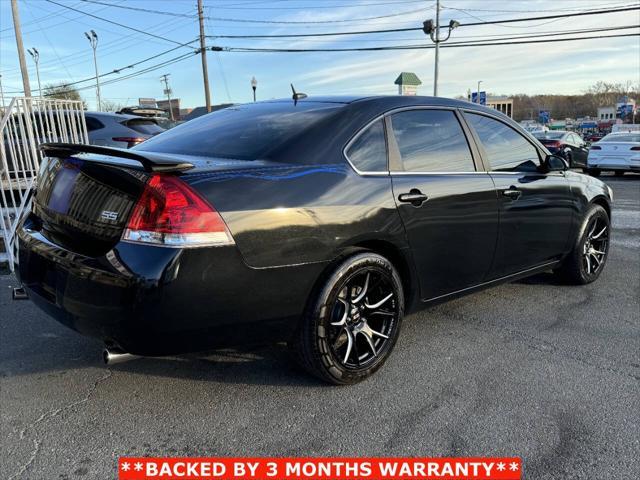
x,y
36,58
254,85
93,40
167,91
433,30
478,99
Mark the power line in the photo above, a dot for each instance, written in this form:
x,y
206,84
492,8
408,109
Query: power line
x,y
138,9
119,24
132,65
245,20
547,17
414,29
411,47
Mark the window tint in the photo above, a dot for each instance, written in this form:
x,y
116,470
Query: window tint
x,y
369,152
243,132
505,148
631,137
146,127
93,123
431,141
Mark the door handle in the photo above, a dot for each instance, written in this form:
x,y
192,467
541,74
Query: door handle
x,y
415,197
512,192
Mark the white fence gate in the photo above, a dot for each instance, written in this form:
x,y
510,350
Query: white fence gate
x,y
26,123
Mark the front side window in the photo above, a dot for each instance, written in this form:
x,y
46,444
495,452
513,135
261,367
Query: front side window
x,y
369,151
506,150
431,141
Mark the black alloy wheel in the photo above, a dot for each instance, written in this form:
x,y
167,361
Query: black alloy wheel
x,y
353,322
587,259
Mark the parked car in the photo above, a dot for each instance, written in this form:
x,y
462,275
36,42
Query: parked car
x,y
617,152
568,145
119,130
594,137
317,221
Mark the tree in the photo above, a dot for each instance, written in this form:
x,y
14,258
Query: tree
x,y
111,106
61,91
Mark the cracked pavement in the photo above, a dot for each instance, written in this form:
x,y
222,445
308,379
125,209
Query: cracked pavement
x,y
535,369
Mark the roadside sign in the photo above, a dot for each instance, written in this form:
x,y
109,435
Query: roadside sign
x,y
544,116
483,98
147,102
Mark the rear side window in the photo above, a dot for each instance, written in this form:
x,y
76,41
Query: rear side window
x,y
622,138
369,152
505,148
431,141
243,132
146,127
93,123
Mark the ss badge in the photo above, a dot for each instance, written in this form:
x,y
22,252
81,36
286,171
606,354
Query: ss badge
x,y
108,215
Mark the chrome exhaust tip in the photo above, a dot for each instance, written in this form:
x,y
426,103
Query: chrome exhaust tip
x,y
20,293
113,356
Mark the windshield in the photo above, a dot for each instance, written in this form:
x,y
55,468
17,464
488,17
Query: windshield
x,y
631,137
548,135
241,132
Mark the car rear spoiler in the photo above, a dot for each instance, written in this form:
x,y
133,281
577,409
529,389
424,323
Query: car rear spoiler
x,y
151,162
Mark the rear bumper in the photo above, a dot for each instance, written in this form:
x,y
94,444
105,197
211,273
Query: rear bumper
x,y
156,301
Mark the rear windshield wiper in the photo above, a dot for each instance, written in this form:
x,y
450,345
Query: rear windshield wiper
x,y
151,162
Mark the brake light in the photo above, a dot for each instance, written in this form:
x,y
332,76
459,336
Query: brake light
x,y
635,149
595,147
169,213
131,141
552,144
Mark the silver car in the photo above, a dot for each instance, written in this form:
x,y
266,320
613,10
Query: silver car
x,y
617,152
119,130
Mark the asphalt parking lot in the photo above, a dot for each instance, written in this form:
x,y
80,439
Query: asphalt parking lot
x,y
534,369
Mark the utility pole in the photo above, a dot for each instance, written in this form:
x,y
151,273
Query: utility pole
x,y
433,30
437,42
36,58
93,40
167,91
203,53
1,93
478,99
23,63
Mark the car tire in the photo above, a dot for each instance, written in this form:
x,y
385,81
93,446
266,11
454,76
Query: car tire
x,y
594,172
590,249
346,333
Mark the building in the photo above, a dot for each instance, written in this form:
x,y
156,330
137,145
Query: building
x,y
408,83
606,113
175,107
502,104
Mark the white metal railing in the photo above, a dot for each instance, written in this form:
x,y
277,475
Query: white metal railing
x,y
26,123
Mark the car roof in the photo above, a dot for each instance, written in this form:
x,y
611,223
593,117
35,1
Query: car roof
x,y
119,116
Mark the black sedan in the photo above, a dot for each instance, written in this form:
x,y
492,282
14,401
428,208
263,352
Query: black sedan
x,y
320,222
568,145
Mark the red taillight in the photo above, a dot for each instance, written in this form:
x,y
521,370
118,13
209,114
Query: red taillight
x,y
131,141
635,149
595,147
552,144
170,214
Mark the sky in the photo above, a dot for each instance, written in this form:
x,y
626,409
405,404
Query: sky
x,y
550,68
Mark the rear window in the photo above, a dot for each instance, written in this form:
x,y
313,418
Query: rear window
x,y
548,135
144,126
242,132
632,137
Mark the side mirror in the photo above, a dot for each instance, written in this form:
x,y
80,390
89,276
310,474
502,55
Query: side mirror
x,y
555,163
